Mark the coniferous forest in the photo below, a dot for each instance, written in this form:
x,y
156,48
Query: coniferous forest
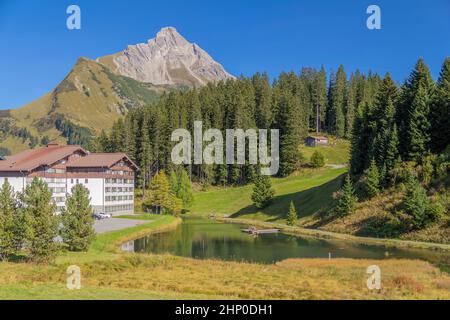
x,y
386,122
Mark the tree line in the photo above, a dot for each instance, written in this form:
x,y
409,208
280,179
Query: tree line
x,y
29,225
403,138
296,104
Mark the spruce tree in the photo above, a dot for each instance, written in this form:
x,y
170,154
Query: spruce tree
x,y
347,199
292,215
418,126
372,184
263,192
392,153
440,110
7,214
77,229
416,202
43,223
336,117
413,114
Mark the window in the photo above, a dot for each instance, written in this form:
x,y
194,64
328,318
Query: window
x,y
71,181
78,181
86,181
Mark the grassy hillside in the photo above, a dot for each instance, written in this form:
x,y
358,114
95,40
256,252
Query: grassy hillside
x,y
384,217
311,191
337,152
88,100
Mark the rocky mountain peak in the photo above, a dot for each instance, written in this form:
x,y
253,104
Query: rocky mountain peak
x,y
167,59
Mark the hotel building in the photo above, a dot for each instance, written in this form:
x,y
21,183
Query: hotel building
x,y
109,177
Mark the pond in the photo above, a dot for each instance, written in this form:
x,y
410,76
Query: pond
x,y
207,239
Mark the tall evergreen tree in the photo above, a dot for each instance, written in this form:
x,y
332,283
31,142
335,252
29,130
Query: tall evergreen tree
x,y
372,184
263,100
40,208
347,199
77,229
7,214
414,113
440,110
416,202
263,192
319,99
336,115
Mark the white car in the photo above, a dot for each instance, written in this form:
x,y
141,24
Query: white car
x,y
102,215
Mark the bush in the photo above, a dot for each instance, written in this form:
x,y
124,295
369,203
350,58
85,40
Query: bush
x,y
317,159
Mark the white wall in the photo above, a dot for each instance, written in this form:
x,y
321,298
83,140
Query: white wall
x,y
95,187
17,183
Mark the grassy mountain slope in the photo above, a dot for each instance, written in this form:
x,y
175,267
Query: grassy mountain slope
x,y
311,191
89,99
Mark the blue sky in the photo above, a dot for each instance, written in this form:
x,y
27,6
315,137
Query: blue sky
x,y
37,50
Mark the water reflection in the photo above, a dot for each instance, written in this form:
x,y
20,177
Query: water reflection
x,y
201,239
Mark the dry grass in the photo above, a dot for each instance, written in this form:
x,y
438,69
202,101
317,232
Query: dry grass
x,y
289,279
110,274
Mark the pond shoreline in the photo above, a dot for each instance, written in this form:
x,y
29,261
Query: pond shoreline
x,y
327,235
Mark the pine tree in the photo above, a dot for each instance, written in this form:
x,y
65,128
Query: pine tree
x,y
288,123
263,100
416,202
292,215
351,105
319,99
413,114
440,110
347,199
7,213
336,117
43,223
359,159
392,153
77,229
418,126
263,192
372,184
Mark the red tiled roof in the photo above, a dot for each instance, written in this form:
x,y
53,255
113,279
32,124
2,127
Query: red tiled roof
x,y
31,159
99,160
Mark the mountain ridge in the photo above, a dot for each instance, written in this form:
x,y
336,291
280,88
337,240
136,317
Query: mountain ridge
x,y
94,94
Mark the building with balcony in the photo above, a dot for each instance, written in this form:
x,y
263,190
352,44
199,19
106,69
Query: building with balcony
x,y
109,177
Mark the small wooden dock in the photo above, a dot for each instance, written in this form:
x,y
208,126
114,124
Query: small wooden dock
x,y
255,231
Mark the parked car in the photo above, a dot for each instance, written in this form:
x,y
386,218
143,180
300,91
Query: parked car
x,y
102,215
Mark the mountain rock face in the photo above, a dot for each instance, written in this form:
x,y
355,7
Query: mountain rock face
x,y
168,59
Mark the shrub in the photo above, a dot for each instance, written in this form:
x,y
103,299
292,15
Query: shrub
x,y
317,159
